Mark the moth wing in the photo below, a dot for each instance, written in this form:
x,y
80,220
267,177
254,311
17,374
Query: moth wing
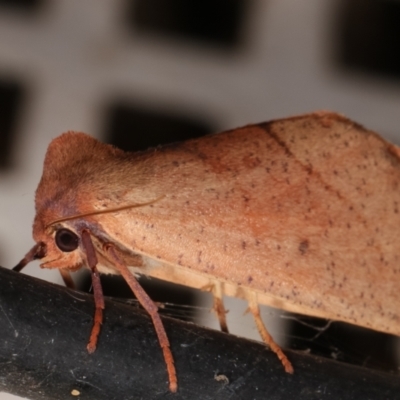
x,y
303,211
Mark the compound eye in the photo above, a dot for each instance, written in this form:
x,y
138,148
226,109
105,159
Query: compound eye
x,y
67,240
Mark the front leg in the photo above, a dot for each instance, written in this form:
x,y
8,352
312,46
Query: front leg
x,y
151,308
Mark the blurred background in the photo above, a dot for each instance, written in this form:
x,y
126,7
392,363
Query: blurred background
x,y
138,73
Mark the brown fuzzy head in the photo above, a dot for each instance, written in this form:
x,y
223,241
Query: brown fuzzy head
x,y
70,186
82,177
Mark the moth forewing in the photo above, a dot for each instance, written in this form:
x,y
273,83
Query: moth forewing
x,y
309,228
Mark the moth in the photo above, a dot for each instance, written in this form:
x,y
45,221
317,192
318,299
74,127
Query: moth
x,y
301,214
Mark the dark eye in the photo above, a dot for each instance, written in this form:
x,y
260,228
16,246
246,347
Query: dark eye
x,y
66,240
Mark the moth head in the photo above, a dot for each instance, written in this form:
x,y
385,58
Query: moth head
x,y
61,246
58,245
59,240
70,164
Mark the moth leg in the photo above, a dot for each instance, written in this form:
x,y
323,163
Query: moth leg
x,y
97,291
66,277
218,305
266,337
152,309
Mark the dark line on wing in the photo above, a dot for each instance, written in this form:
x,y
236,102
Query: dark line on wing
x,y
308,168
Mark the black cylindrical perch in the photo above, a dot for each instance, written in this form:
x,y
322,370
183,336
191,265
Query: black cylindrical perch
x,y
45,328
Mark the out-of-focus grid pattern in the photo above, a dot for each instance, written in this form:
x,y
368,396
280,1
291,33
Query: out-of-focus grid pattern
x,y
66,63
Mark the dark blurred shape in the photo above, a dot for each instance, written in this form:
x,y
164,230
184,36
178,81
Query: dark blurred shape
x,y
369,36
214,22
11,94
22,5
344,342
134,128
